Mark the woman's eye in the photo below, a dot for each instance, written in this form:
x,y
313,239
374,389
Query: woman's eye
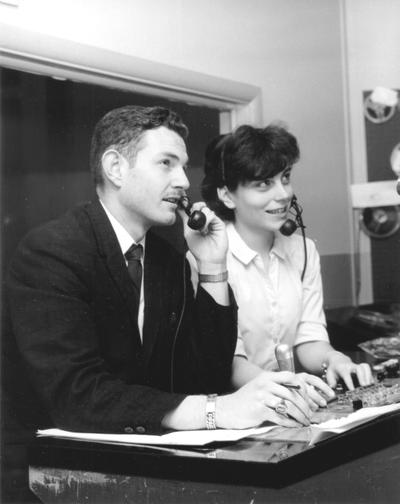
x,y
262,184
286,178
166,162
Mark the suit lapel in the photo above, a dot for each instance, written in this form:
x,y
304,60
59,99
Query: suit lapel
x,y
111,253
155,268
154,271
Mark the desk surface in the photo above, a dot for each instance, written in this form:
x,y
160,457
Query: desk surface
x,y
361,466
363,463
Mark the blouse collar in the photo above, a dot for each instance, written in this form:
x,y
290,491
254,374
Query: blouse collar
x,y
244,253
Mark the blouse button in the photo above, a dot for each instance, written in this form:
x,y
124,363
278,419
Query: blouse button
x,y
140,429
128,430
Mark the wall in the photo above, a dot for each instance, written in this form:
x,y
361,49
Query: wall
x,y
266,43
291,49
381,139
373,55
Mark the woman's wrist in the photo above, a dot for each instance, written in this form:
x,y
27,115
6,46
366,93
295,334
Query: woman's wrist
x,y
332,356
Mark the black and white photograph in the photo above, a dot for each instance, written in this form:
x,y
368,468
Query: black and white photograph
x,y
200,251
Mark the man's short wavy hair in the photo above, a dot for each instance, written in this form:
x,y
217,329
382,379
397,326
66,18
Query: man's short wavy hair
x,y
122,129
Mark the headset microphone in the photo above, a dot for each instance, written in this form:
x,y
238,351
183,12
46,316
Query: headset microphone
x,y
290,225
197,219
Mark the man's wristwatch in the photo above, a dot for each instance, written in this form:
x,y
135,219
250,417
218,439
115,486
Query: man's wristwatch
x,y
211,404
220,277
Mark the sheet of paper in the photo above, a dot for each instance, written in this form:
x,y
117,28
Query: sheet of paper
x,y
339,425
176,438
205,437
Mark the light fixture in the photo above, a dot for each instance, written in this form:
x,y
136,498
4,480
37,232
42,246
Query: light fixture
x,y
381,104
379,202
395,164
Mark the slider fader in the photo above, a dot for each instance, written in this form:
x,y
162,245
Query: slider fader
x,y
385,390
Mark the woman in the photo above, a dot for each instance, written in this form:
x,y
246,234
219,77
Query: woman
x,y
248,184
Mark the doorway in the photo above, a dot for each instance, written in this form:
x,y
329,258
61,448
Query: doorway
x,y
46,127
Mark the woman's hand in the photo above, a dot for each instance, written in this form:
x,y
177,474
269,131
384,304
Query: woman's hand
x,y
317,392
256,402
341,366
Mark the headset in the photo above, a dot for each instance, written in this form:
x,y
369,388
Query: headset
x,y
290,226
197,218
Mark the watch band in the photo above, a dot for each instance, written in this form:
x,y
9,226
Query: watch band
x,y
211,404
220,277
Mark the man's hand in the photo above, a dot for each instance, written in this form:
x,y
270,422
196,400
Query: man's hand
x,y
209,245
255,403
266,398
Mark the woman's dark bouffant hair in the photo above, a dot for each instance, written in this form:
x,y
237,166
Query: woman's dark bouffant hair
x,y
245,155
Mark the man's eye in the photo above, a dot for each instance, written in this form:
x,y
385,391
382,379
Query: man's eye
x,y
166,162
286,178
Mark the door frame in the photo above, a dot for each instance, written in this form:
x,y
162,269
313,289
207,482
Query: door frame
x,y
29,51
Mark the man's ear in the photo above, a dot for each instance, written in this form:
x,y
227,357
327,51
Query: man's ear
x,y
112,163
225,196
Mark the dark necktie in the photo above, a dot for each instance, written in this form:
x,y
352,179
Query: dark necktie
x,y
133,256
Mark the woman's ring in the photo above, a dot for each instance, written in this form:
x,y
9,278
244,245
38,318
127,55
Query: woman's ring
x,y
281,408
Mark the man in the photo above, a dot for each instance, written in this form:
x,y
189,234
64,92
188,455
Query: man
x,y
113,338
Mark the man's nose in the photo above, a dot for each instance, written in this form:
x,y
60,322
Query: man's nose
x,y
181,179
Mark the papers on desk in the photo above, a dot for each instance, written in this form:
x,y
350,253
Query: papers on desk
x,y
177,438
383,348
205,437
344,424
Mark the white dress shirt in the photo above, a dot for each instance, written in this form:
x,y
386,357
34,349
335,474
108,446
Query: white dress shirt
x,y
274,305
125,242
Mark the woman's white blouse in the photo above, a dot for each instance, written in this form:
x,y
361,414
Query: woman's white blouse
x,y
275,306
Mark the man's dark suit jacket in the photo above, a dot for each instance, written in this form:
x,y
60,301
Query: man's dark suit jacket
x,y
72,309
